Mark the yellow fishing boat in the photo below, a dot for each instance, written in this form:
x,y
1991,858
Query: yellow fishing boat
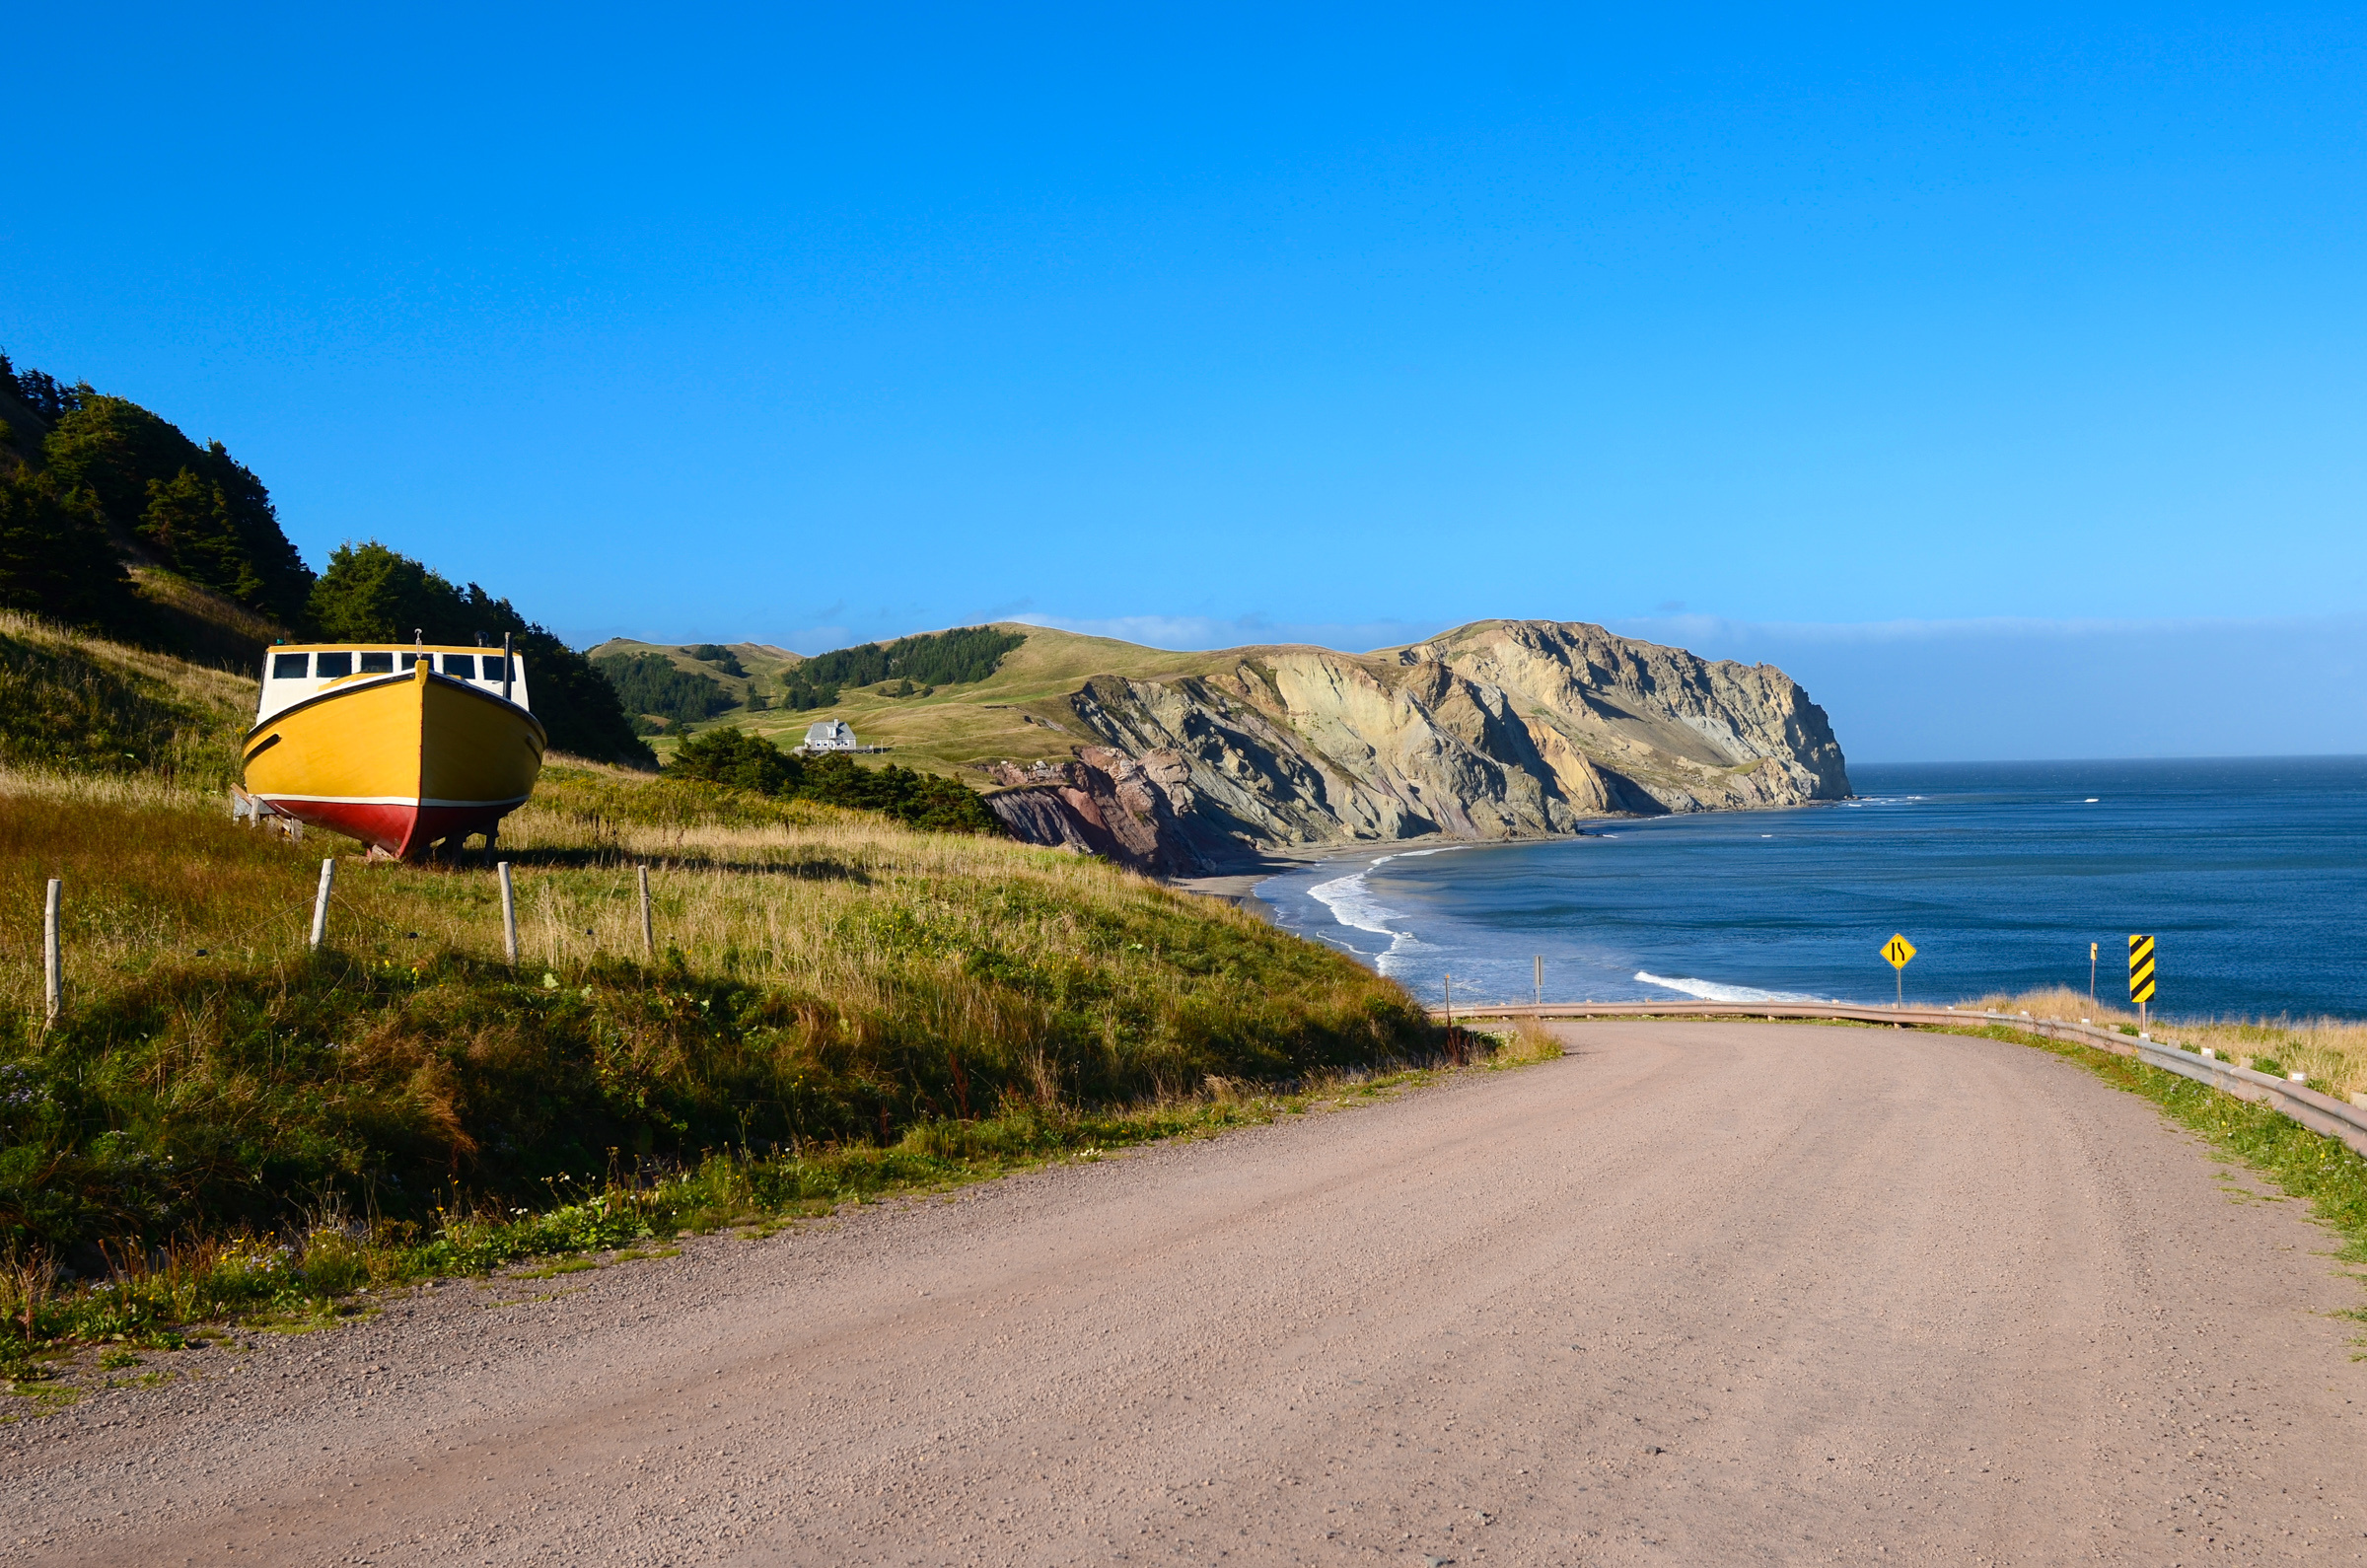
x,y
400,748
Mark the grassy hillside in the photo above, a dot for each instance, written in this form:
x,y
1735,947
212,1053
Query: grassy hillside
x,y
1020,712
822,975
823,980
754,686
70,701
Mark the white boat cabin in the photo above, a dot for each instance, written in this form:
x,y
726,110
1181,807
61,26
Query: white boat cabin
x,y
292,674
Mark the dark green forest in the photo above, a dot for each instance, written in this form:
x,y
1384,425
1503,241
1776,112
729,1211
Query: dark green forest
x,y
90,483
933,659
722,658
89,464
751,762
650,687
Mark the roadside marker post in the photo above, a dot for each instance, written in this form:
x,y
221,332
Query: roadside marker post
x,y
1540,979
2091,975
1447,981
1898,950
2140,975
53,964
328,875
509,914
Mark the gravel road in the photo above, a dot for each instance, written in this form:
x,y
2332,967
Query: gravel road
x,y
1698,1293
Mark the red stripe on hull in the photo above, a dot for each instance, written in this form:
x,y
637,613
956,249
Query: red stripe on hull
x,y
401,830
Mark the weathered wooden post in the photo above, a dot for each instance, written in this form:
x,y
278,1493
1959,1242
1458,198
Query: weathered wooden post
x,y
328,875
53,969
509,914
649,933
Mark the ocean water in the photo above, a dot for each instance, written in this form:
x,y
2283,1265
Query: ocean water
x,y
2251,874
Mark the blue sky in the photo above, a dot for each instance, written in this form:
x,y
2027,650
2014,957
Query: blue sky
x,y
1960,365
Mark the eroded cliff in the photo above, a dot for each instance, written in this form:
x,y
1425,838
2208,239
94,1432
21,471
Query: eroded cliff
x,y
1496,730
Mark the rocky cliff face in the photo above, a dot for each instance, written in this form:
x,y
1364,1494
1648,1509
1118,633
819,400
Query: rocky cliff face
x,y
1498,729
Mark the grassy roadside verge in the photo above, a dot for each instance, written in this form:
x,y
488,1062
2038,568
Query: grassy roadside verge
x,y
59,1343
2332,1051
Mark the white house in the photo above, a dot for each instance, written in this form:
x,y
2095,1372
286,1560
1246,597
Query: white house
x,y
830,734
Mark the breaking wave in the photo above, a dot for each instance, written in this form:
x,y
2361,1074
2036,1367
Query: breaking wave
x,y
1352,904
1712,991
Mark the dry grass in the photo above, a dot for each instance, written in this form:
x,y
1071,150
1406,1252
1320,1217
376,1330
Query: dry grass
x,y
2331,1050
1525,1040
794,892
85,704
819,977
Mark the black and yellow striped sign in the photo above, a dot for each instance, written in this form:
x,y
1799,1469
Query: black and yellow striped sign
x,y
2140,969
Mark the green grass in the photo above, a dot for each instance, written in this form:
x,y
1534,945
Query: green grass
x,y
825,978
960,726
94,706
2332,1051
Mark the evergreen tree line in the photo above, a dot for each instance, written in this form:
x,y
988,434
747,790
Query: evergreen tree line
x,y
88,480
738,760
932,659
722,658
651,687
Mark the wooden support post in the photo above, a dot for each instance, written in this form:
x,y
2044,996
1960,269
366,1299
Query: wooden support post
x,y
328,875
53,964
1540,979
649,933
509,914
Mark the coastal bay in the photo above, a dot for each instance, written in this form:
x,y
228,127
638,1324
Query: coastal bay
x,y
2251,873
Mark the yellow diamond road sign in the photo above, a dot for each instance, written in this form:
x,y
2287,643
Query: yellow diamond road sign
x,y
1897,950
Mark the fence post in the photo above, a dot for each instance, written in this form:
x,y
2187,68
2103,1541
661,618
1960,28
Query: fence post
x,y
509,914
649,933
53,972
328,875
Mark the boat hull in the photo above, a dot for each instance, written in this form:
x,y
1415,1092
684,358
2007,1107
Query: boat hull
x,y
399,762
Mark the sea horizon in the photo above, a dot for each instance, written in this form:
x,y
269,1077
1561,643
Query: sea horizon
x,y
2249,871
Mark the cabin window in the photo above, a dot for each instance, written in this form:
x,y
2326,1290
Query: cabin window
x,y
289,667
329,666
460,666
493,670
410,661
377,663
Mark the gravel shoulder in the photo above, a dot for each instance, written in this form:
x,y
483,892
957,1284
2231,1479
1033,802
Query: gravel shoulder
x,y
1696,1293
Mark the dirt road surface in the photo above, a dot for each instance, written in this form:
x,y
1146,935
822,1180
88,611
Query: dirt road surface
x,y
1695,1293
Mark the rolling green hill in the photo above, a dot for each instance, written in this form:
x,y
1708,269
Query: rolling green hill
x,y
1020,712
